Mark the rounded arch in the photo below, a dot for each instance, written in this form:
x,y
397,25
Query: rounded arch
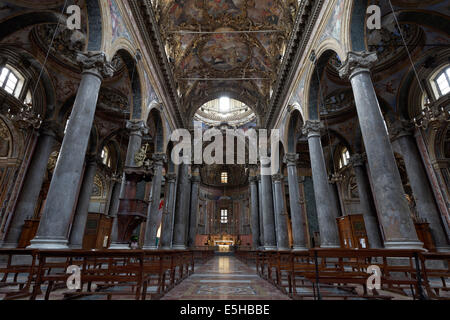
x,y
111,140
252,104
312,86
44,97
293,131
130,59
409,97
156,130
357,27
28,19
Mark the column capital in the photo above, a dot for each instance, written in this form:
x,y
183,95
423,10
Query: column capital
x,y
291,159
91,159
51,128
400,128
313,128
357,62
277,178
357,160
159,159
253,179
137,127
195,179
95,62
171,177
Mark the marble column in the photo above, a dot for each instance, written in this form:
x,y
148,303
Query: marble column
x,y
402,134
32,185
270,241
193,212
260,213
152,225
254,210
280,212
84,198
61,199
366,203
326,208
168,213
398,227
297,216
182,208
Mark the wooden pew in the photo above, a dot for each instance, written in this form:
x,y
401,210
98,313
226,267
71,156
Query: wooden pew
x,y
16,277
437,276
348,267
109,270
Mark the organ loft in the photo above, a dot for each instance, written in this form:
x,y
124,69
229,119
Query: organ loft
x,y
229,149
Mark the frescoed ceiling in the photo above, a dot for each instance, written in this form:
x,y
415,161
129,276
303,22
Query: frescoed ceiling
x,y
210,55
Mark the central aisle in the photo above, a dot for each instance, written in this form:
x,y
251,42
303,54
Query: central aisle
x,y
225,278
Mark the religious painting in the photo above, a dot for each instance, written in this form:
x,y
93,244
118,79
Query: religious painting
x,y
334,26
264,11
183,11
118,24
225,51
218,8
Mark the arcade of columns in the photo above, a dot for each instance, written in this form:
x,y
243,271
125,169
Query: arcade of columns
x,y
269,226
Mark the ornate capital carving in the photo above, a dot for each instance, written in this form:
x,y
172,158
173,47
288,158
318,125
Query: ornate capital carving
x,y
91,159
291,159
159,159
357,62
51,128
171,177
277,178
95,62
400,128
137,127
313,128
357,160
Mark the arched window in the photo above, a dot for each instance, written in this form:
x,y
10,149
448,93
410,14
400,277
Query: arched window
x,y
224,177
106,158
223,216
442,82
11,81
344,157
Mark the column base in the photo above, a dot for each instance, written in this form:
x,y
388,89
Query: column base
x,y
270,248
165,248
443,249
51,244
9,245
179,247
409,245
298,249
330,246
150,248
75,246
119,246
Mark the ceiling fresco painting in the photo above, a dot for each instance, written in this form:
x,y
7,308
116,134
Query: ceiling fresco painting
x,y
225,47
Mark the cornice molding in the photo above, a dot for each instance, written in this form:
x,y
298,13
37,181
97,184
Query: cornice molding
x,y
304,25
143,14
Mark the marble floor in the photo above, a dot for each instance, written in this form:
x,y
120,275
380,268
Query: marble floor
x,y
225,278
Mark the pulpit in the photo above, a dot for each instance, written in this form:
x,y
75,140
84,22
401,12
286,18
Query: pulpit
x,y
97,232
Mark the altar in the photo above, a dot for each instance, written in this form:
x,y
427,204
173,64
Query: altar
x,y
224,245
